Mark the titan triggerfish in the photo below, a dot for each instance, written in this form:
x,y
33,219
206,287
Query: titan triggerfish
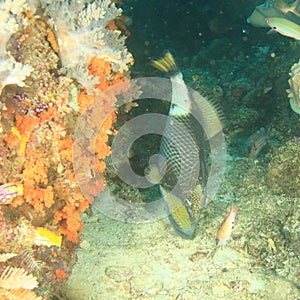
x,y
182,148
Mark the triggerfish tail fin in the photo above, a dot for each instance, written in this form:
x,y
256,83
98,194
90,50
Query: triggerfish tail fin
x,y
179,215
165,64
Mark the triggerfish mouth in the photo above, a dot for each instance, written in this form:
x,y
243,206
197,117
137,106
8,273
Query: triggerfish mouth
x,y
182,148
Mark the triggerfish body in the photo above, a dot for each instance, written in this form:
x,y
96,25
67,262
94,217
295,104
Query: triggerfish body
x,y
182,146
224,232
284,27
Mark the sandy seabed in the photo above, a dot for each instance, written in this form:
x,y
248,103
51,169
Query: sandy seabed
x,y
117,260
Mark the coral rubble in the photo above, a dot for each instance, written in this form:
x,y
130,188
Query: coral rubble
x,y
284,176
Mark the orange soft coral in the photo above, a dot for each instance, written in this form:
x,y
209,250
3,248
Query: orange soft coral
x,y
102,69
35,167
17,141
11,140
84,100
65,146
102,149
40,198
99,67
26,124
60,273
111,25
89,151
47,115
69,218
36,190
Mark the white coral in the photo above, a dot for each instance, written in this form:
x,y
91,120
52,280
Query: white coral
x,y
11,18
13,6
12,72
82,35
8,26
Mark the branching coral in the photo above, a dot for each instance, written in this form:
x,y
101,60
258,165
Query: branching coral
x,y
13,73
82,34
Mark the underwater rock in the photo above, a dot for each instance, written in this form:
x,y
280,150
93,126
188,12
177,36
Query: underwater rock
x,y
242,118
240,88
217,48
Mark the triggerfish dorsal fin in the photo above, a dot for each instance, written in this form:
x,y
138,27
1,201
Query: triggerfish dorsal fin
x,y
165,64
210,114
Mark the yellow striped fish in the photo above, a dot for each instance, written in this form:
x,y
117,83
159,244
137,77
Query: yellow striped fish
x,y
284,27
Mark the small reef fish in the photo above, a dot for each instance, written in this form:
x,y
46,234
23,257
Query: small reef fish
x,y
286,8
188,162
284,27
224,232
256,142
46,237
9,191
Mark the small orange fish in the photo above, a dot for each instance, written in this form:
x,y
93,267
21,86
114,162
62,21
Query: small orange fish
x,y
224,232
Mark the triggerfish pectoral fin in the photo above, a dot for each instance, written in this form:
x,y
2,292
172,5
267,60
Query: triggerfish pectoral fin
x,y
179,215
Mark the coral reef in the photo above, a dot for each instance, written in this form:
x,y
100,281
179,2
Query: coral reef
x,y
50,72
